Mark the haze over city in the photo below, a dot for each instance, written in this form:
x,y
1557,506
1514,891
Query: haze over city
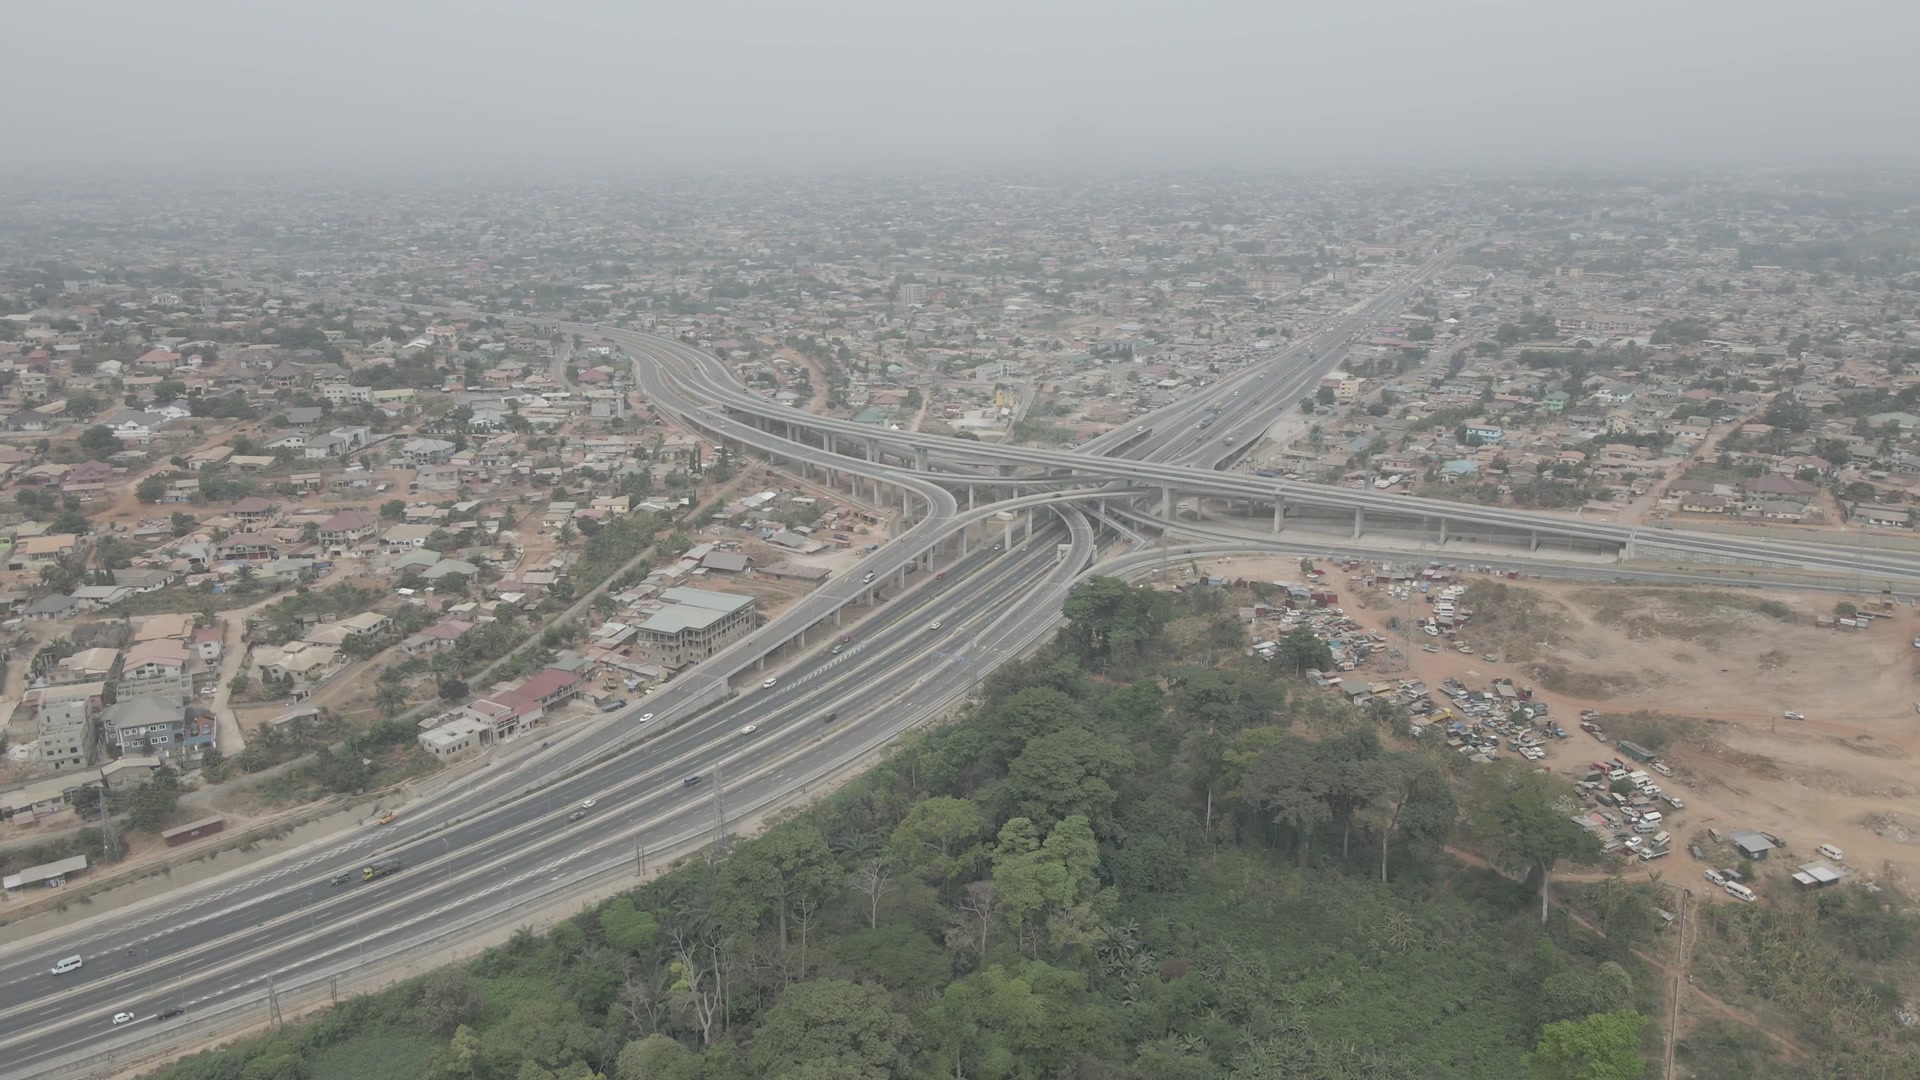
x,y
436,88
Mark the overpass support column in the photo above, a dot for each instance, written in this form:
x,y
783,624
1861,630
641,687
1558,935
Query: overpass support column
x,y
906,500
1443,532
836,615
1359,523
920,458
1028,535
969,496
1006,537
760,664
1166,503
961,536
1533,540
1626,552
1279,513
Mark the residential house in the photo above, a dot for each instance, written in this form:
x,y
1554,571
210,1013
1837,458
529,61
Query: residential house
x,y
347,529
404,538
40,550
340,393
162,725
245,547
92,597
130,425
1877,514
425,451
253,510
156,667
145,580
85,666
209,642
88,478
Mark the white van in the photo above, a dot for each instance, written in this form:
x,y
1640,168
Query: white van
x,y
71,963
1663,838
1740,892
1650,816
1828,851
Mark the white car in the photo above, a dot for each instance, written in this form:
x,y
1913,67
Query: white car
x,y
1795,716
768,685
587,804
122,1018
1716,877
645,716
750,729
934,625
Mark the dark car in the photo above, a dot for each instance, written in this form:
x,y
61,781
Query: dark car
x,y
169,1014
691,780
830,718
576,815
344,877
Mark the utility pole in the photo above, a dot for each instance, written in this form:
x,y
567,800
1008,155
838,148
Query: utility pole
x,y
273,1005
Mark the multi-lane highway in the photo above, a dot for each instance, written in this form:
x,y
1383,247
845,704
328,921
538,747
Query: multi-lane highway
x,y
203,948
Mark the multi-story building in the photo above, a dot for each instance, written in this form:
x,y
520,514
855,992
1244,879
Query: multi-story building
x,y
161,667
161,725
693,625
68,736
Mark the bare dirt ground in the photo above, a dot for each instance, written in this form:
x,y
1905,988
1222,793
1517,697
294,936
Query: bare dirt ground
x,y
1714,671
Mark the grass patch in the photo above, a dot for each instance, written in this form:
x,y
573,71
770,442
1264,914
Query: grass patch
x,y
376,1056
1699,615
1655,731
1514,620
1592,685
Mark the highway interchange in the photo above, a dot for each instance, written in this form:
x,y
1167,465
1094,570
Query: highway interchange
x,y
480,853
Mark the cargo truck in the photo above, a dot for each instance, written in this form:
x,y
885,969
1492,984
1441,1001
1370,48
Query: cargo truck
x,y
380,868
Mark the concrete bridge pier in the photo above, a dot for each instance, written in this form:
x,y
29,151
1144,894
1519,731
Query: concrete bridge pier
x,y
1006,535
873,450
1533,540
1166,503
920,459
1443,532
1359,523
1028,535
1279,514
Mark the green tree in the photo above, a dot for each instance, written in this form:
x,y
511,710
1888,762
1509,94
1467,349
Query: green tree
x,y
393,509
1301,649
1604,1046
150,489
628,928
1289,782
1032,879
390,698
70,521
1415,804
1525,818
938,837
831,1028
1065,773
656,1057
1111,621
99,442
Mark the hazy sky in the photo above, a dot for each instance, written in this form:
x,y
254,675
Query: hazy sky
x,y
479,86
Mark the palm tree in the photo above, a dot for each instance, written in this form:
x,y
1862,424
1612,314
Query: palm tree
x,y
390,698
